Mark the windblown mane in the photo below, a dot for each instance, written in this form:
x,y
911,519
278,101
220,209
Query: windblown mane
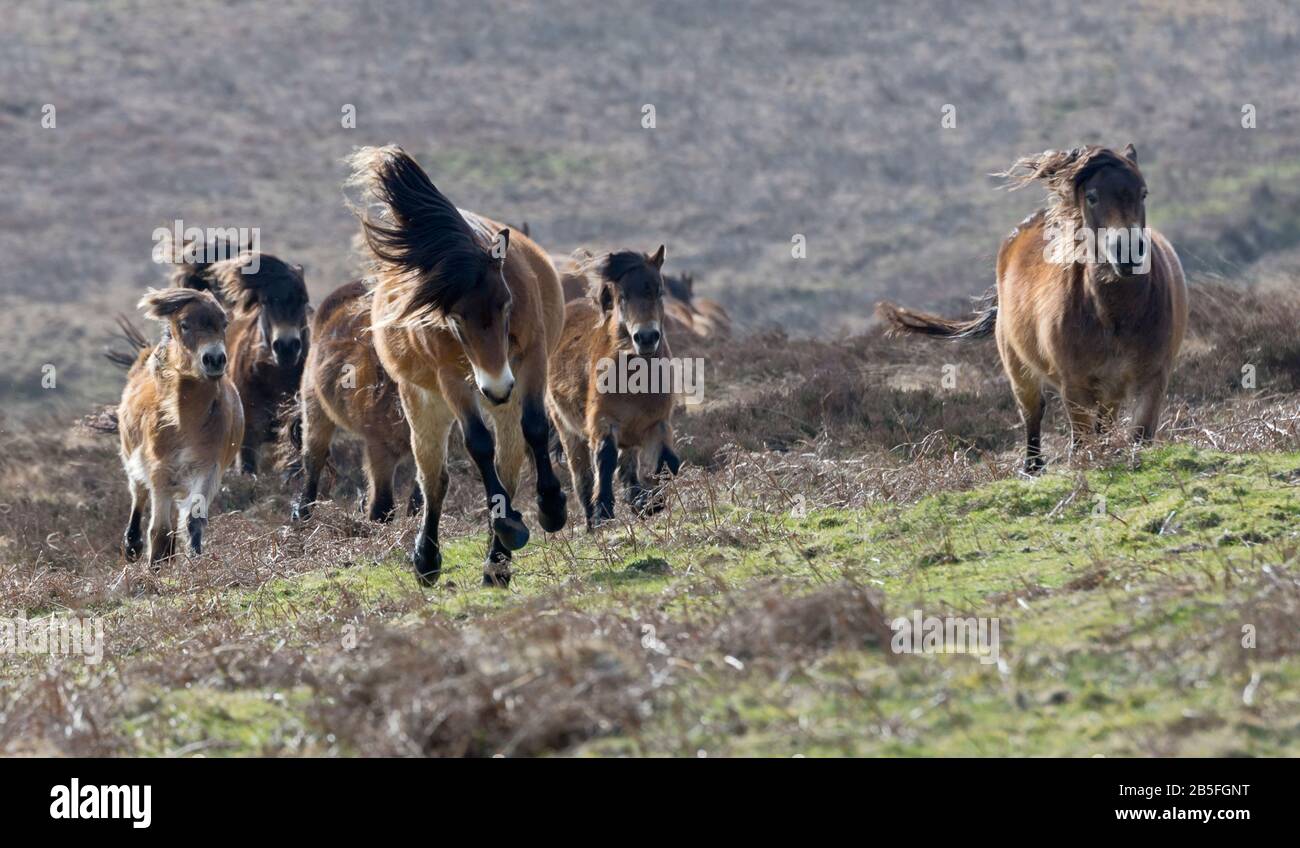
x,y
610,266
1062,172
273,275
418,239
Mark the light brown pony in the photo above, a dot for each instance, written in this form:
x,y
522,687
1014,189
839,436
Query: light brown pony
x,y
465,313
344,385
268,336
1098,325
599,421
685,316
180,421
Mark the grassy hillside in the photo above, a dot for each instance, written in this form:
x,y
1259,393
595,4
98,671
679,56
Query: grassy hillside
x,y
741,622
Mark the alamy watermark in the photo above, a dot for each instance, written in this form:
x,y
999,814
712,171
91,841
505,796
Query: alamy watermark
x,y
1067,244
946,635
54,635
182,245
634,375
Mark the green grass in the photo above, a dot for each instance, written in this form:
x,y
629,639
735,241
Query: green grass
x,y
1121,594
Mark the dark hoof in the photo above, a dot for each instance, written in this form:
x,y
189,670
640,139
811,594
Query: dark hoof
x,y
651,506
132,548
496,579
510,531
1034,467
602,513
428,564
300,510
552,511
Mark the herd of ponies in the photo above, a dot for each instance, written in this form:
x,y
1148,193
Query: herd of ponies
x,y
466,321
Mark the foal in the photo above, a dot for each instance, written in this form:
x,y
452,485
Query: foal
x,y
464,317
1097,325
344,385
599,417
268,337
180,421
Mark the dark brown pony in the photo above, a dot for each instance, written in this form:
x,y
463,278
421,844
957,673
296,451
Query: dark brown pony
x,y
600,422
268,336
180,421
344,385
465,313
1100,324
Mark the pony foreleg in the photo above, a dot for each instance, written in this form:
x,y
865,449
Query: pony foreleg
x,y
162,544
507,523
133,539
194,509
604,447
1149,406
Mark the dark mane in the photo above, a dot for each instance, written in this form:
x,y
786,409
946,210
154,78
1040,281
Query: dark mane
x,y
419,234
275,282
632,271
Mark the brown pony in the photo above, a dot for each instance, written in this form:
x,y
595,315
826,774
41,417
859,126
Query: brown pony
x,y
465,314
1098,325
685,316
268,336
180,421
344,385
599,420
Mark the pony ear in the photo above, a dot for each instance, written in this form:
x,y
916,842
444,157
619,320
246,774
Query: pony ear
x,y
606,298
657,259
1130,153
500,245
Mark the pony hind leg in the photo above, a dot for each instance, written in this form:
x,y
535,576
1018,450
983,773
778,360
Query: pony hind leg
x,y
431,422
578,457
380,466
1151,401
1032,404
317,433
661,462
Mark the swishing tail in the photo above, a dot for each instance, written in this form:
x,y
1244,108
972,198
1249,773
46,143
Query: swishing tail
x,y
900,320
134,338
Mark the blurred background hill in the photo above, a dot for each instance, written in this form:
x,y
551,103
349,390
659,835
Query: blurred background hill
x,y
772,119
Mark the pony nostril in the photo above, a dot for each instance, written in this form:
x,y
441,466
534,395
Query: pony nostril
x,y
214,361
646,338
287,348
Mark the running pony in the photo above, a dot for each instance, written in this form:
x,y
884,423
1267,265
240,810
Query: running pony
x,y
600,420
180,421
344,385
464,317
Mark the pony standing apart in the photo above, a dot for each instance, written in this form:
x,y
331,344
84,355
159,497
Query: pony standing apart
x,y
599,420
1100,324
465,314
180,421
268,336
344,385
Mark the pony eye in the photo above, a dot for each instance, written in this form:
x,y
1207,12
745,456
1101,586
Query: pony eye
x,y
1092,198
185,325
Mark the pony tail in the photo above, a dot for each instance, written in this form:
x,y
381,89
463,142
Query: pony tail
x,y
901,321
